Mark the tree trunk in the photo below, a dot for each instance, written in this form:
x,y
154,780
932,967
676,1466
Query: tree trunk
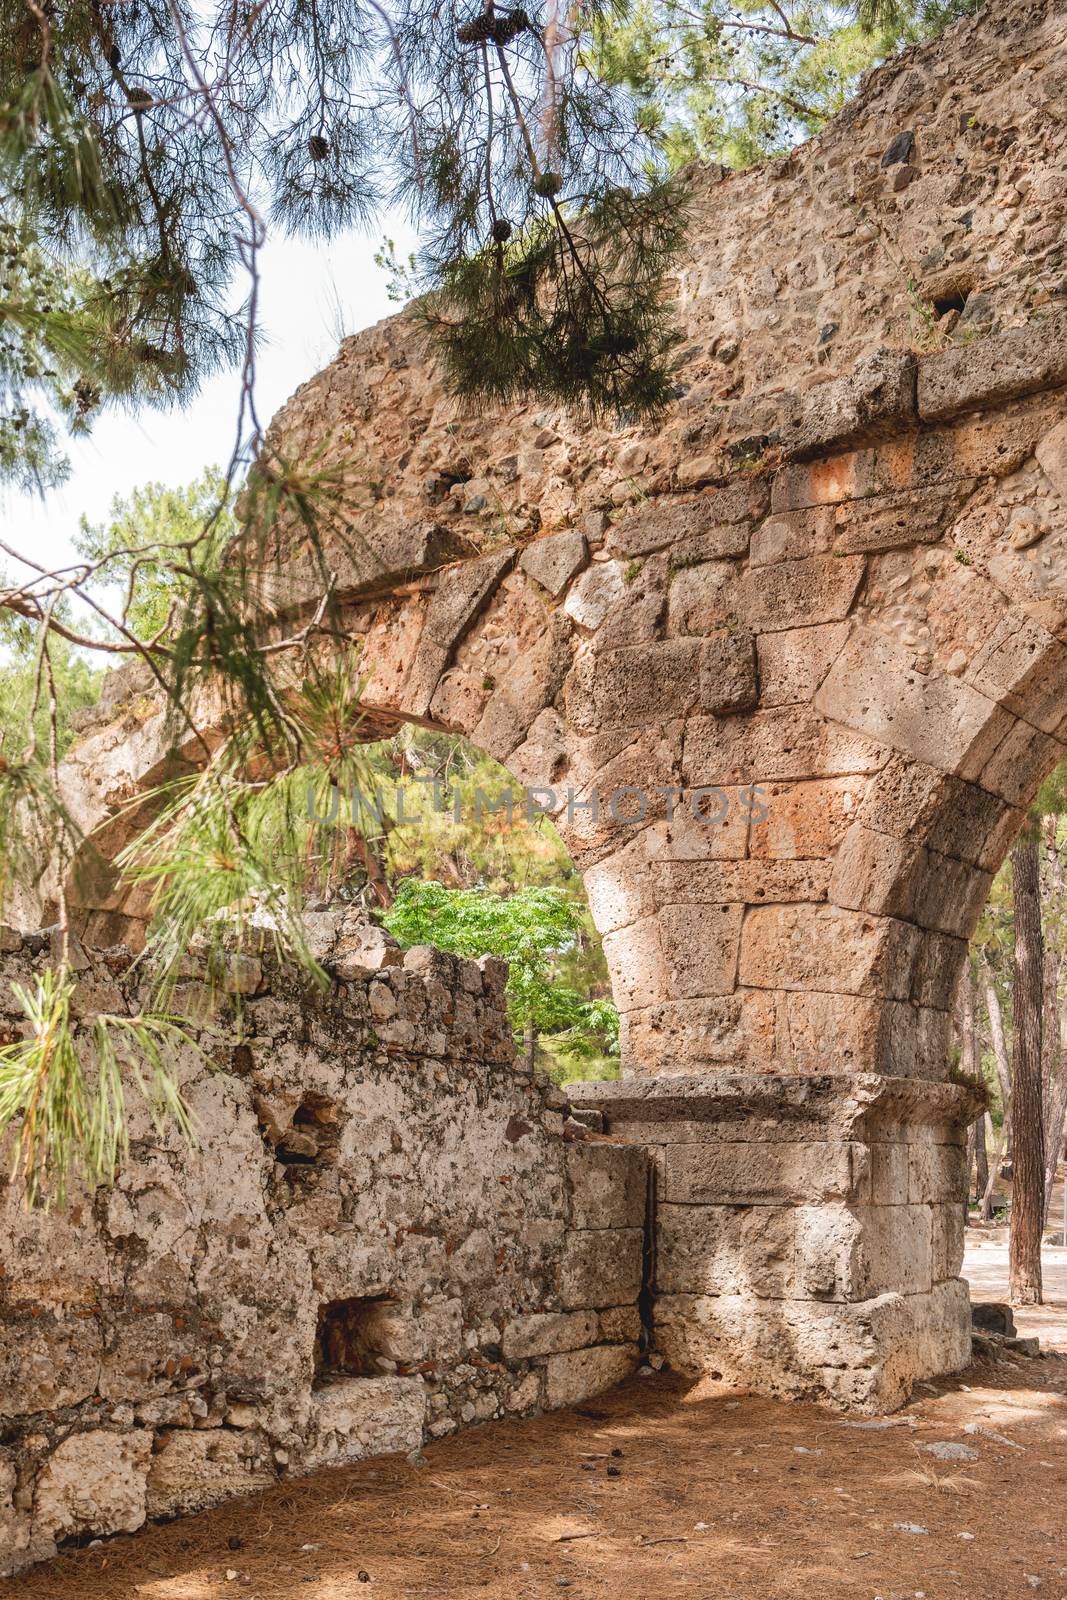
x,y
996,1033
968,1066
981,1155
1028,1128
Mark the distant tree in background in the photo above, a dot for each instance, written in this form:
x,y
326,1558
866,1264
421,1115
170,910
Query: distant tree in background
x,y
1018,966
533,930
736,83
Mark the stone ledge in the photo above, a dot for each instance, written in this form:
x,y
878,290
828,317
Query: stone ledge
x,y
1002,367
778,1107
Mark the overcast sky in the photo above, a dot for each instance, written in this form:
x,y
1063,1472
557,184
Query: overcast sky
x,y
306,291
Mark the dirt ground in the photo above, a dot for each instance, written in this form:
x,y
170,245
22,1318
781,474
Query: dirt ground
x,y
660,1488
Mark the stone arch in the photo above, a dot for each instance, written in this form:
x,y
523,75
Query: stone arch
x,y
836,573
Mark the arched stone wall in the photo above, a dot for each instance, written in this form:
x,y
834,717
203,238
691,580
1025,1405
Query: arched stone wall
x,y
835,574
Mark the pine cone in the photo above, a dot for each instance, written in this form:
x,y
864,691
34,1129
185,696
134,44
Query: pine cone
x,y
318,147
140,99
482,30
501,230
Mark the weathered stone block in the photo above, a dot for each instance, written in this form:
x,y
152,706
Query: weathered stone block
x,y
791,593
702,598
793,663
601,1267
804,820
608,1185
856,1253
828,948
93,1482
721,1249
544,1333
863,1356
552,562
190,1471
873,401
994,369
727,681
356,1417
719,520
737,1173
581,1374
700,948
1024,667
937,1173
873,687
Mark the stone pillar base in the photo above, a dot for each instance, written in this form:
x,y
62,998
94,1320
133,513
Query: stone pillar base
x,y
809,1230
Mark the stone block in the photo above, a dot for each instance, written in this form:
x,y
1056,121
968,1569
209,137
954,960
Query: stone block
x,y
861,1356
1024,667
793,663
779,745
727,681
683,1036
947,1240
828,948
875,400
858,1252
93,1483
792,536
600,588
544,1333
711,884
873,688
805,820
1051,453
608,1185
896,521
699,948
1021,763
992,370
193,1470
601,1267
633,687
937,969
792,593
765,1174
720,1249
636,964
553,561
719,519
702,598
581,1374
890,1166
937,1173
352,1418
619,1325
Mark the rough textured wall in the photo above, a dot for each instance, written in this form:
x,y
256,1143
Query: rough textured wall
x,y
387,1232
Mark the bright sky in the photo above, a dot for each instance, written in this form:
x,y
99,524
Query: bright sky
x,y
310,295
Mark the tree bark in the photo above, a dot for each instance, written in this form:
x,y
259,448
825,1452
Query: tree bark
x,y
996,1033
981,1155
969,1068
1028,1128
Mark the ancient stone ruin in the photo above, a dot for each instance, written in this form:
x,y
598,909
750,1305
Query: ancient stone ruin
x,y
787,670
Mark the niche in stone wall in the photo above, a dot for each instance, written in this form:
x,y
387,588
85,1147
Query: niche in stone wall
x,y
309,1138
353,1338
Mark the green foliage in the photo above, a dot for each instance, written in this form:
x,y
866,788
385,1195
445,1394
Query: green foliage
x,y
150,525
152,143
70,1119
735,83
531,930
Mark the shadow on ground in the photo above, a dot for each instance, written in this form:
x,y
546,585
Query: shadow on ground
x,y
660,1488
